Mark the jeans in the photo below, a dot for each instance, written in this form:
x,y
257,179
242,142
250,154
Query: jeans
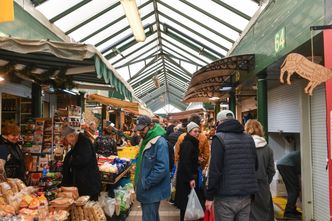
x,y
150,211
232,208
292,184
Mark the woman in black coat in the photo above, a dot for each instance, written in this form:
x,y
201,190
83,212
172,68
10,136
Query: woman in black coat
x,y
186,177
11,157
80,164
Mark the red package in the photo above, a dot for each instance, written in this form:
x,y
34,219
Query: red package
x,y
209,215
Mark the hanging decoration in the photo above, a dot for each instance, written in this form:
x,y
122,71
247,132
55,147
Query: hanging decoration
x,y
314,73
156,81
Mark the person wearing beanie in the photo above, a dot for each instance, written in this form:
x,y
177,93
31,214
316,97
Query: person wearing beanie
x,y
80,167
232,182
204,147
187,177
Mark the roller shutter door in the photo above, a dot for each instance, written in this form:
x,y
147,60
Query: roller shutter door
x,y
319,155
284,108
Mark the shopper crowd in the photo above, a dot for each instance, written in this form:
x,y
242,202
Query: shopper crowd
x,y
230,171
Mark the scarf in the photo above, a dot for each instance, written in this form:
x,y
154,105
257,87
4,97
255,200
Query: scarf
x,y
156,131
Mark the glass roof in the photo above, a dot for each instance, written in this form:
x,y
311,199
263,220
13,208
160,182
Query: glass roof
x,y
181,37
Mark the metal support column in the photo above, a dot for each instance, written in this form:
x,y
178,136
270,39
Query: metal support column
x,y
37,103
216,109
232,102
262,100
81,101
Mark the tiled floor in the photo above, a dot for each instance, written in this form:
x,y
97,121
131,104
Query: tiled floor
x,y
167,212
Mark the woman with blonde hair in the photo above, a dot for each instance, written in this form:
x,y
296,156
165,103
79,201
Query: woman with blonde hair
x,y
11,157
262,206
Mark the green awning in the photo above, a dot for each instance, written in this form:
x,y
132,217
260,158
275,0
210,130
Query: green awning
x,y
46,60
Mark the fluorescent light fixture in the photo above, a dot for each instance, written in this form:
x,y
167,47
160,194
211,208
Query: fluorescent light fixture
x,y
227,88
214,98
131,11
69,92
2,78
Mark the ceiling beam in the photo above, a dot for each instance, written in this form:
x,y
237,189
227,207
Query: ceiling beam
x,y
193,31
177,72
155,6
120,31
150,91
197,22
184,37
180,48
180,59
211,16
148,86
193,47
175,52
148,33
139,60
37,2
232,9
138,56
157,92
111,23
157,104
92,18
69,10
178,65
145,68
145,79
177,90
156,69
178,76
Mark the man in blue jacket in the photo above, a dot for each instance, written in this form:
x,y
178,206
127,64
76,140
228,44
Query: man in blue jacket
x,y
231,177
152,168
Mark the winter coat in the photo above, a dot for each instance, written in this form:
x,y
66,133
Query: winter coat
x,y
81,164
153,183
233,162
204,148
187,170
14,158
171,141
262,207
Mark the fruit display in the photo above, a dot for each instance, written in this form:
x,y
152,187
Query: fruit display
x,y
129,152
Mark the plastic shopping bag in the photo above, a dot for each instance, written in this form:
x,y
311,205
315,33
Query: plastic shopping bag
x,y
194,210
209,216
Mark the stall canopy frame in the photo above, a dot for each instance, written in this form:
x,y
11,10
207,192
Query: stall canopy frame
x,y
46,62
131,107
206,83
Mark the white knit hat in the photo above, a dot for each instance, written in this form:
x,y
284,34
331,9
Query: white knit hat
x,y
191,126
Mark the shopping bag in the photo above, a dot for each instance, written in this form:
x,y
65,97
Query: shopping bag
x,y
209,216
194,210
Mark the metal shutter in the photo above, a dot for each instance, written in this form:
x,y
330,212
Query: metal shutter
x,y
284,108
319,155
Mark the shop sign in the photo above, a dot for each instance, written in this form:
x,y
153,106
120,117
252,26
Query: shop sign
x,y
280,40
314,73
